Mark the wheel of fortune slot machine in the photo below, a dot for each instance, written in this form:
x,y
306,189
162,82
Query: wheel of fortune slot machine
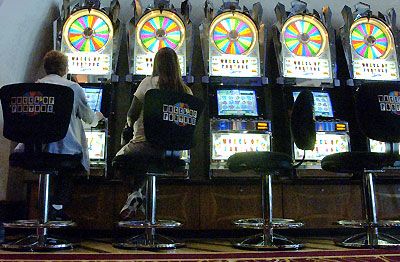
x,y
305,50
370,45
89,34
160,25
233,44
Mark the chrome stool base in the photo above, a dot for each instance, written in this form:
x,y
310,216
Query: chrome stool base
x,y
258,242
35,243
361,241
144,241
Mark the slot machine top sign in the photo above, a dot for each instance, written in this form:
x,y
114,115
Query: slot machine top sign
x,y
155,30
234,46
306,51
373,52
88,36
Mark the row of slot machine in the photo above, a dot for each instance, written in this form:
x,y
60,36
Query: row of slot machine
x,y
305,55
89,32
235,53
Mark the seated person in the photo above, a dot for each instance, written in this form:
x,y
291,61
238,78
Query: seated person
x,y
166,76
55,65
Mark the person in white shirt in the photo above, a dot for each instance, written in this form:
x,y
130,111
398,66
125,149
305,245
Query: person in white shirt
x,y
56,65
167,76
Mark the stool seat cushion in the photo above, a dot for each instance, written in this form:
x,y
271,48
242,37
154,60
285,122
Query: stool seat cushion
x,y
350,162
46,161
141,163
259,161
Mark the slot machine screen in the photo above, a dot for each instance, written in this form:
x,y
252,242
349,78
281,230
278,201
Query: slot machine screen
x,y
94,97
322,103
236,102
96,144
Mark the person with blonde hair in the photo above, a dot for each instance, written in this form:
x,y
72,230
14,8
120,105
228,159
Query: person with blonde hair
x,y
166,76
74,142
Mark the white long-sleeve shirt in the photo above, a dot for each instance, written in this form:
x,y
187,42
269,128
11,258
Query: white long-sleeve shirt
x,y
75,140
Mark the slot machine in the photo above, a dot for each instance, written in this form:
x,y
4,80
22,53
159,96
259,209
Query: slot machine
x,y
160,25
305,50
88,32
370,44
233,44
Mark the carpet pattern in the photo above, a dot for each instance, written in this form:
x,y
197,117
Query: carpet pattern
x,y
286,256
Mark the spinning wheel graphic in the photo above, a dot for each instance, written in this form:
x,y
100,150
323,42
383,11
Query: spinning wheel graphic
x,y
88,31
233,33
371,38
304,36
157,30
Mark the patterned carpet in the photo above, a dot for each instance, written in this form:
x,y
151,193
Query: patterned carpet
x,y
297,256
99,250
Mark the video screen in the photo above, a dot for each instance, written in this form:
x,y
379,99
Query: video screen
x,y
96,144
237,102
322,103
94,97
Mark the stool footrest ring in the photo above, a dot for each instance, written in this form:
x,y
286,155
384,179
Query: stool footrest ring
x,y
258,223
147,224
365,224
37,224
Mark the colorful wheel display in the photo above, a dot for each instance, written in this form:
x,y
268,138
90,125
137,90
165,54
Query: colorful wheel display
x,y
157,30
304,36
88,31
370,38
233,33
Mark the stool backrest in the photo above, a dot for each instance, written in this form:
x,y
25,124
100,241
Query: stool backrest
x,y
378,111
302,122
36,113
170,118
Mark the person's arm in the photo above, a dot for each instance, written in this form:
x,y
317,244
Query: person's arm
x,y
84,111
134,111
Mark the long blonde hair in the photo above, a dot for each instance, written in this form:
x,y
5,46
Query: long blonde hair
x,y
166,67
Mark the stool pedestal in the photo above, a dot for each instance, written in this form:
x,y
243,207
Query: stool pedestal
x,y
40,241
267,240
150,239
371,238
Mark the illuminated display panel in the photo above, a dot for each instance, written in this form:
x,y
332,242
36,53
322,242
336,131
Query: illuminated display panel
x,y
94,97
322,103
377,146
226,144
96,144
87,35
306,40
237,102
373,47
326,144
